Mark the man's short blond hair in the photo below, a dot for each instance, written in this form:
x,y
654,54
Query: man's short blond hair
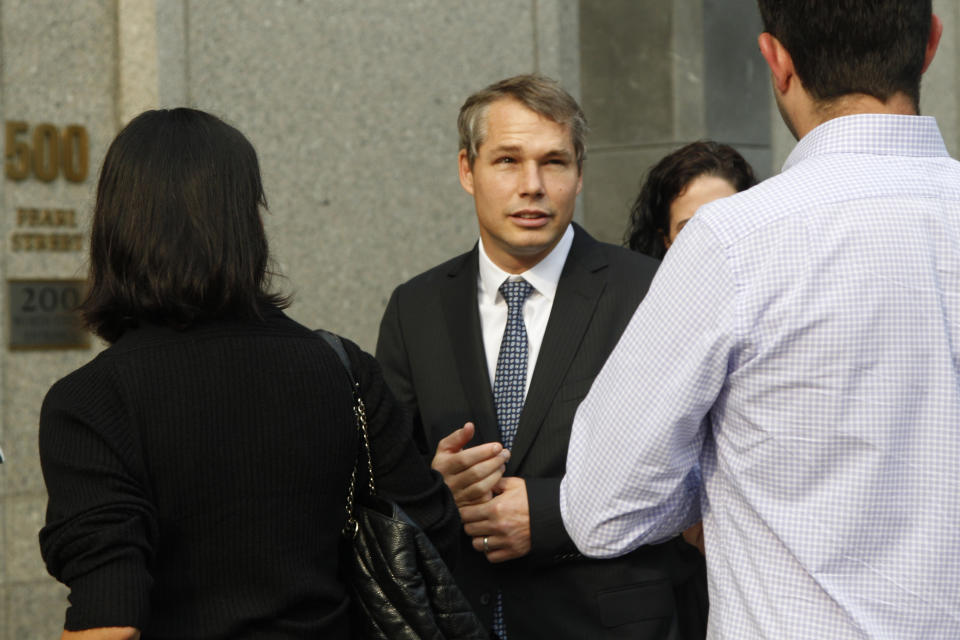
x,y
538,93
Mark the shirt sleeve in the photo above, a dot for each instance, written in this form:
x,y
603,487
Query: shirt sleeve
x,y
101,527
633,474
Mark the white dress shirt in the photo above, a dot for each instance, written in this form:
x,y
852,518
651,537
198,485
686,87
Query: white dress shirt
x,y
544,277
801,345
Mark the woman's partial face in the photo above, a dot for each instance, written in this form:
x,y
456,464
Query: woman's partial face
x,y
699,191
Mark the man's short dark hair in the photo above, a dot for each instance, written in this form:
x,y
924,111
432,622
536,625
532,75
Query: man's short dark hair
x,y
177,235
839,47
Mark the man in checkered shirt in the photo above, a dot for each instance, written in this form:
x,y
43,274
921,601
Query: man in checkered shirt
x,y
793,374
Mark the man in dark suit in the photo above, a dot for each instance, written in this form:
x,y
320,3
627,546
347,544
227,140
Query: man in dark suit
x,y
508,338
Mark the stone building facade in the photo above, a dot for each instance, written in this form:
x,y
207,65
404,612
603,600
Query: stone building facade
x,y
352,107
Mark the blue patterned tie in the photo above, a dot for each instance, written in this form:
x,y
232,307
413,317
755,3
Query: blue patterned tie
x,y
508,387
511,376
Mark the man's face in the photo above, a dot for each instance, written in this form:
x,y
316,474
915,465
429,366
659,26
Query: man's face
x,y
524,182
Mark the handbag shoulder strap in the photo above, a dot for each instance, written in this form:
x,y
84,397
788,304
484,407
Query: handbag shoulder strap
x,y
360,414
337,344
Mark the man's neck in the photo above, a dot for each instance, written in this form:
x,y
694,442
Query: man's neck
x,y
821,111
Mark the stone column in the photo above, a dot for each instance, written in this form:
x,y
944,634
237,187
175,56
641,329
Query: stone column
x,y
940,89
58,70
657,75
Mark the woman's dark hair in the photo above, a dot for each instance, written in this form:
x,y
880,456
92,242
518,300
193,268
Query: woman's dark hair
x,y
838,47
650,214
177,236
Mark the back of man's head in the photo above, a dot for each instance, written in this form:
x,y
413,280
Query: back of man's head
x,y
841,47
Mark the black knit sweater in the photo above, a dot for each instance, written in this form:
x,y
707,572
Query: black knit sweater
x,y
197,481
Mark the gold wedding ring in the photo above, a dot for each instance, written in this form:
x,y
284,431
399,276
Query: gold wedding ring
x,y
486,548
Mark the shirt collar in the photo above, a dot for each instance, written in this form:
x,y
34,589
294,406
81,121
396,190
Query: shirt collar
x,y
543,276
871,133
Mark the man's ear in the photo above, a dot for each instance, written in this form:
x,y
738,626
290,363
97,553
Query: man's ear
x,y
778,59
936,30
466,172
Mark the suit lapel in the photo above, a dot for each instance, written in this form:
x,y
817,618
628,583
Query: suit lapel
x,y
463,326
578,291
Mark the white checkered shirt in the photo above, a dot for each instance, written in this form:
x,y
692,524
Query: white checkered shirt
x,y
799,350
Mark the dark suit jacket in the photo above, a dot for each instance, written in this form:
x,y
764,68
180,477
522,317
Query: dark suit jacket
x,y
431,350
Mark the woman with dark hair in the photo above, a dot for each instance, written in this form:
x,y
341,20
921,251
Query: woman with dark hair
x,y
197,469
677,186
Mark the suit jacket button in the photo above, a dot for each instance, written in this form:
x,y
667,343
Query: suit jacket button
x,y
484,599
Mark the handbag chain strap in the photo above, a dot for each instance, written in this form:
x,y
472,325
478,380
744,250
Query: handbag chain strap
x,y
360,413
351,527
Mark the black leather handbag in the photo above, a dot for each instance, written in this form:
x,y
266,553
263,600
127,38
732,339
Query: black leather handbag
x,y
399,586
